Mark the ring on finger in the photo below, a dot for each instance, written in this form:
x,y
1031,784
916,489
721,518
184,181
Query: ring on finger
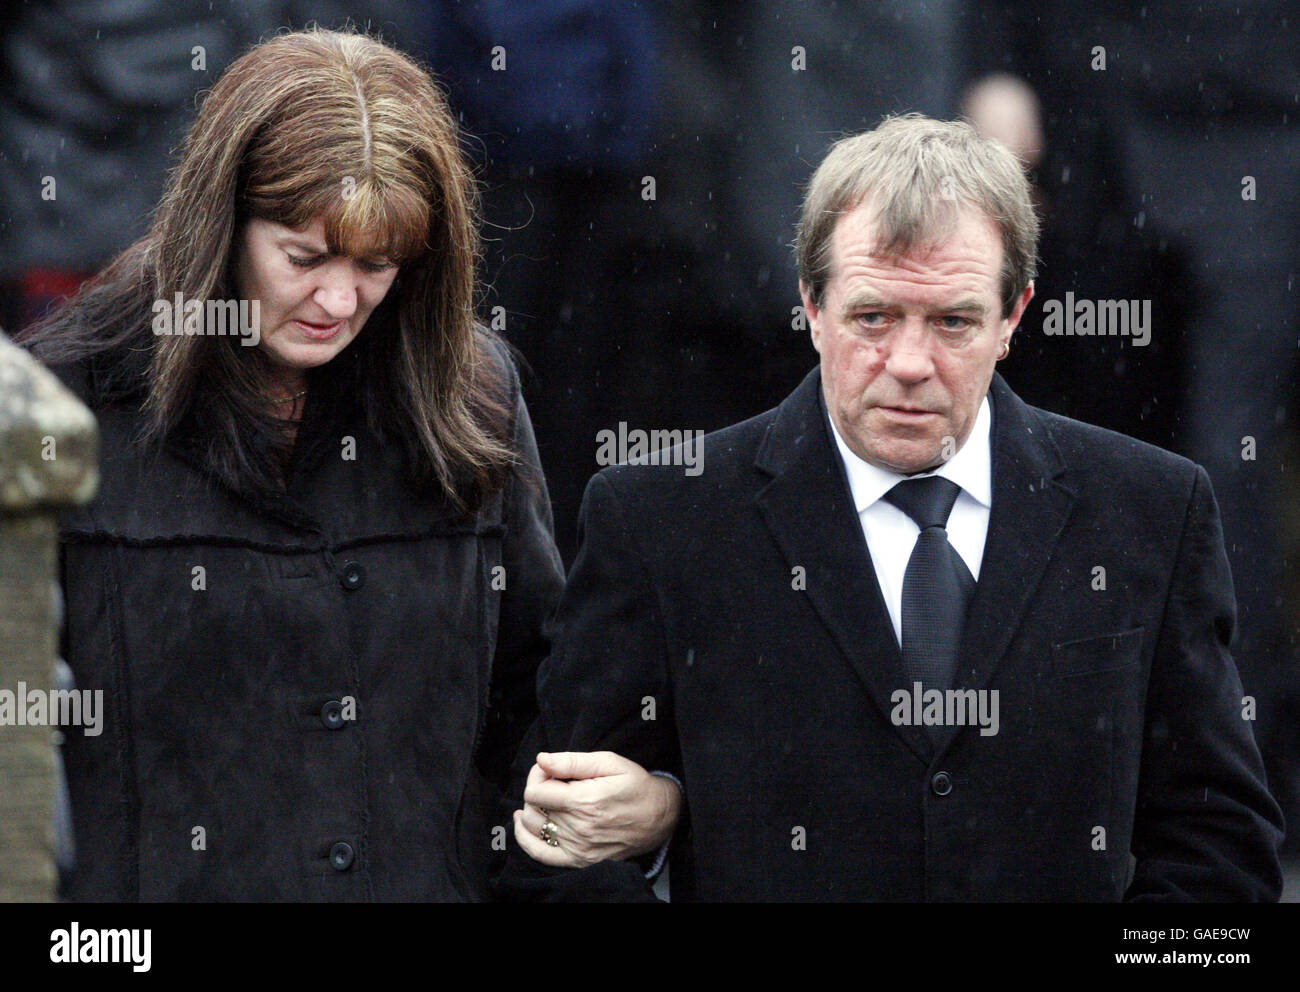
x,y
548,832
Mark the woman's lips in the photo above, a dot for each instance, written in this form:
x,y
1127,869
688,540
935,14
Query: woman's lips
x,y
318,332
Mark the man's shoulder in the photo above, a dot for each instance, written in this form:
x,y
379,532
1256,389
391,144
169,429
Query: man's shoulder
x,y
695,465
1112,457
706,469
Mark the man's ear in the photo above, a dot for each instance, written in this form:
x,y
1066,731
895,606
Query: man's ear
x,y
1018,311
813,314
1013,321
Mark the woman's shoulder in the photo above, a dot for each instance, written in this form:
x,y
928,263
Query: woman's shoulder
x,y
100,381
27,360
77,377
502,389
501,359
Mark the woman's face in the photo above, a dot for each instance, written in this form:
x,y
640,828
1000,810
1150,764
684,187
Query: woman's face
x,y
312,304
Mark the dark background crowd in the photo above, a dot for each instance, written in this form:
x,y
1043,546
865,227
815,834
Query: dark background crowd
x,y
642,167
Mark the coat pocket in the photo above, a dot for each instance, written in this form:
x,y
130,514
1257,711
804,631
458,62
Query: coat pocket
x,y
1093,655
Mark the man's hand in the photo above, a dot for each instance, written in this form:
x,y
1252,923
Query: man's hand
x,y
603,807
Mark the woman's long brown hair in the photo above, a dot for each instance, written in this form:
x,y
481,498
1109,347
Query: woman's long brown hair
x,y
310,124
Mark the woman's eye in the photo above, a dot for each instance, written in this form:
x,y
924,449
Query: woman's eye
x,y
311,261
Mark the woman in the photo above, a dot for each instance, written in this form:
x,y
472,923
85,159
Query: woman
x,y
313,584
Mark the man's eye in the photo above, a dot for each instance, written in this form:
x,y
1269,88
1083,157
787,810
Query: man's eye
x,y
873,319
951,323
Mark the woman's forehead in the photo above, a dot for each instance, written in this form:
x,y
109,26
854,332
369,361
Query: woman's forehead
x,y
395,226
364,234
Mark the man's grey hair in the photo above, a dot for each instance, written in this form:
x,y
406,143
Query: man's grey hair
x,y
918,174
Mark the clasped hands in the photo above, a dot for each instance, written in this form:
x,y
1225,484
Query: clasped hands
x,y
602,807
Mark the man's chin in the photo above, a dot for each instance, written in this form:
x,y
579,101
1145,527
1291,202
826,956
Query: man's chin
x,y
914,459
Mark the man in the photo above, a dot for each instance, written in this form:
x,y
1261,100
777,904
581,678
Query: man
x,y
1026,695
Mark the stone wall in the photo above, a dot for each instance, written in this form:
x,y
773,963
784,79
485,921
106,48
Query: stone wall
x,y
48,449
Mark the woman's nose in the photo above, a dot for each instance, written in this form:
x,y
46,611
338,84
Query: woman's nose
x,y
336,295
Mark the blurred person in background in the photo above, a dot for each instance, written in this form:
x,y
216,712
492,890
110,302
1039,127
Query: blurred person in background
x,y
1167,164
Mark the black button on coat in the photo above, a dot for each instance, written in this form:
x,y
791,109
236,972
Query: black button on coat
x,y
219,628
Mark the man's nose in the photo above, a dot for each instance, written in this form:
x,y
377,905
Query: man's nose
x,y
910,358
336,294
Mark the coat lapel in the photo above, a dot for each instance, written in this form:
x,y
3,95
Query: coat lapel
x,y
1030,510
809,510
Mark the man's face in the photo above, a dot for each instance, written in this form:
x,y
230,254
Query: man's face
x,y
908,345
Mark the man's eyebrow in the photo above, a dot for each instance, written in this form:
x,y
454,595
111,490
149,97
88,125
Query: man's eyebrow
x,y
869,301
865,301
966,306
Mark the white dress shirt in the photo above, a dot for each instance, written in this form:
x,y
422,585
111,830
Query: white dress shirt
x,y
891,533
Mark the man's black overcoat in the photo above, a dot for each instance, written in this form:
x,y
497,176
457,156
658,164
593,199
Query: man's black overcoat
x,y
728,626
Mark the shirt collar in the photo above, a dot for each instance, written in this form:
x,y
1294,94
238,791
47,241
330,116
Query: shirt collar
x,y
971,467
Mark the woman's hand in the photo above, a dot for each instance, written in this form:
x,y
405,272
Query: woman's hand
x,y
603,807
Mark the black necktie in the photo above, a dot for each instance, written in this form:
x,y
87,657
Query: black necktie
x,y
937,586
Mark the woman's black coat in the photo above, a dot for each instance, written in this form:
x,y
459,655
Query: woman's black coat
x,y
307,697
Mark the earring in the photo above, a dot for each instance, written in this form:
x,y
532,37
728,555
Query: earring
x,y
1006,350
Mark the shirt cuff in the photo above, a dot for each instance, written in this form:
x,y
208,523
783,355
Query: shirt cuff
x,y
662,856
